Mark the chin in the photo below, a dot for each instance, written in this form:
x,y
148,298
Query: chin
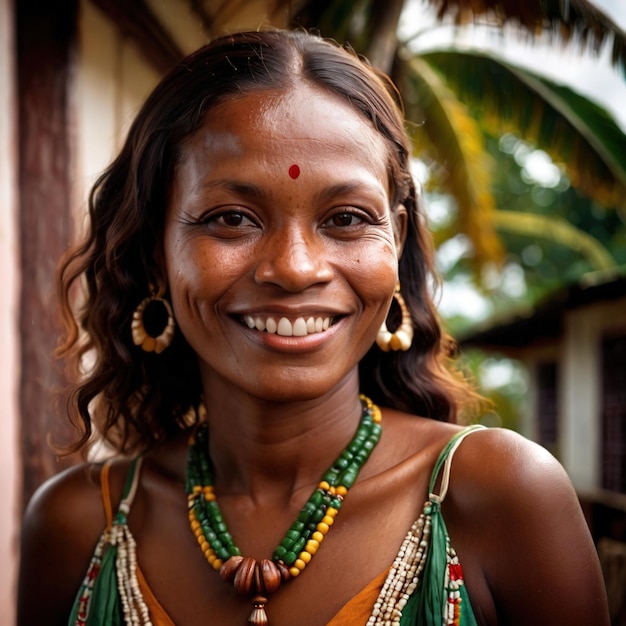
x,y
298,386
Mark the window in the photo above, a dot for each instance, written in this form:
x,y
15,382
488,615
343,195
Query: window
x,y
614,414
547,404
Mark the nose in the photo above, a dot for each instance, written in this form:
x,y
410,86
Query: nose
x,y
293,260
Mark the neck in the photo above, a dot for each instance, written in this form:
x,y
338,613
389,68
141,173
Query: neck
x,y
267,449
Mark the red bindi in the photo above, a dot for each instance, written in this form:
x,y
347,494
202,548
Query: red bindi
x,y
294,171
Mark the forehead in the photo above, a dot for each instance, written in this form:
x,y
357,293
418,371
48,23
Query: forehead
x,y
300,122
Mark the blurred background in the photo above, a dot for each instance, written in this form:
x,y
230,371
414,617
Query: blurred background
x,y
517,112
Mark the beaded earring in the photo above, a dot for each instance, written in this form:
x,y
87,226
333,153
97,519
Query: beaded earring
x,y
403,337
156,313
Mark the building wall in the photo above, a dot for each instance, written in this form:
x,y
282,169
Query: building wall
x,y
112,81
577,351
529,424
581,389
9,354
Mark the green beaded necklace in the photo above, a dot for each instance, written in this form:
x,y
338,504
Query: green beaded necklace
x,y
303,538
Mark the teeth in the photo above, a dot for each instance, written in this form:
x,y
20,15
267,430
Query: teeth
x,y
284,327
299,328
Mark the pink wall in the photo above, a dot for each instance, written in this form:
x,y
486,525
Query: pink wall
x,y
9,361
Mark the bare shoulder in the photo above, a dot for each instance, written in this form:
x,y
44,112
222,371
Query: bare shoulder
x,y
62,524
511,502
496,458
502,479
65,499
487,462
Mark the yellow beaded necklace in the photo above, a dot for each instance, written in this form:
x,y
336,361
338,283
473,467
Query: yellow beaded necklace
x,y
259,579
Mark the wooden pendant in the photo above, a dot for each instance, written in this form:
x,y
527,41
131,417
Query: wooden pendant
x,y
258,617
244,576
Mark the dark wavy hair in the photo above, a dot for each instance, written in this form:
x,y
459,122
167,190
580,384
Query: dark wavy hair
x,y
135,398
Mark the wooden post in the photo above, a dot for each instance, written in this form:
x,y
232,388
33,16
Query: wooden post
x,y
46,41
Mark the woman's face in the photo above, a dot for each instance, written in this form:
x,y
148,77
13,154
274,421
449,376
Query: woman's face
x,y
281,248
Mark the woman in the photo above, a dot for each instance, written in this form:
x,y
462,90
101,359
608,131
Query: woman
x,y
264,191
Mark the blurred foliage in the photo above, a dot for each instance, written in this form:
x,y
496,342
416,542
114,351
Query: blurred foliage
x,y
548,263
504,382
527,184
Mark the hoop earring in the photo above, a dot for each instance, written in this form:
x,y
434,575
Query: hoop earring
x,y
148,340
403,337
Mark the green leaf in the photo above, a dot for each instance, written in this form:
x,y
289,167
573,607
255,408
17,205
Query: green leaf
x,y
557,230
573,130
445,134
576,22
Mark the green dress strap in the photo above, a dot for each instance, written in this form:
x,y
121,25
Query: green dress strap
x,y
98,601
441,598
445,459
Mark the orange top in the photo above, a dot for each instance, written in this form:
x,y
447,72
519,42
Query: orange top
x,y
355,613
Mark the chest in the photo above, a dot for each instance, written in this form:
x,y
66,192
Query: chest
x,y
360,546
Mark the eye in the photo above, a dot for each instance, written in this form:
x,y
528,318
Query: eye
x,y
227,222
232,219
344,219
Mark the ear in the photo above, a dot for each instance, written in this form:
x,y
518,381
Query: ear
x,y
400,221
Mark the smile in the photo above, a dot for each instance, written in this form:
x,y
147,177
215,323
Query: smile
x,y
284,327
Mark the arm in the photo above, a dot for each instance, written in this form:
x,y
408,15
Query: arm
x,y
522,536
61,527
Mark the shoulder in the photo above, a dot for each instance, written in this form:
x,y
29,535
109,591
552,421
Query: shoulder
x,y
486,462
77,485
495,457
71,502
516,522
62,524
499,477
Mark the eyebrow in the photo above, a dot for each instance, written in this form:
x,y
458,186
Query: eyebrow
x,y
237,186
250,190
346,188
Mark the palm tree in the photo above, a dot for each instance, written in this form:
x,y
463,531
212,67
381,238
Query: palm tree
x,y
453,96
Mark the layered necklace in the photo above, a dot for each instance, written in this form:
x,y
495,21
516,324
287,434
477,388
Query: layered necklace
x,y
259,579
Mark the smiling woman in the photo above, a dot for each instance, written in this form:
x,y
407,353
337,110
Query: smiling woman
x,y
260,244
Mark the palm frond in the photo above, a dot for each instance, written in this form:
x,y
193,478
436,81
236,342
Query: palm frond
x,y
443,132
577,21
336,19
368,26
573,130
557,230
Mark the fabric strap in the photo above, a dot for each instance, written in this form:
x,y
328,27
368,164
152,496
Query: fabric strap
x,y
105,490
98,600
427,606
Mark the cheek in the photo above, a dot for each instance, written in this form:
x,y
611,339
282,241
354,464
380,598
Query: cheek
x,y
374,273
191,270
201,273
